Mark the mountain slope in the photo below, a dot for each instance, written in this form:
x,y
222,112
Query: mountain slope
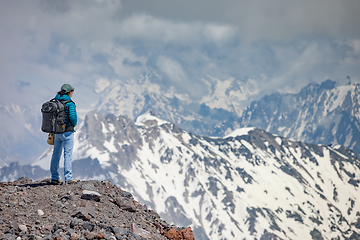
x,y
247,185
20,136
321,114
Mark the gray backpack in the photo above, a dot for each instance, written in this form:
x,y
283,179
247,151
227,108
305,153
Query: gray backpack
x,y
53,116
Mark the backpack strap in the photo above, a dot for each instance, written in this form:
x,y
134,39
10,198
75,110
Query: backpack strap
x,y
66,101
69,127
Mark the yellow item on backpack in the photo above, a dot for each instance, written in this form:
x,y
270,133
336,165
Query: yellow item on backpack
x,y
50,139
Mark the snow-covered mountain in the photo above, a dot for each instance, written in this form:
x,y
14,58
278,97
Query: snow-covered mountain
x,y
321,114
224,101
249,184
20,135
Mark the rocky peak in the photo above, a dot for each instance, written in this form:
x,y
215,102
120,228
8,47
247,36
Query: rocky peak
x,y
85,210
328,84
149,119
315,89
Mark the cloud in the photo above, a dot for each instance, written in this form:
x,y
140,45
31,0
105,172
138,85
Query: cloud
x,y
174,76
46,43
172,69
219,33
22,85
149,28
353,53
278,20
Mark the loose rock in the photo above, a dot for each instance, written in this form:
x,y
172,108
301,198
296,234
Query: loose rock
x,y
125,204
88,226
173,234
22,228
91,195
141,232
187,234
89,210
74,236
40,212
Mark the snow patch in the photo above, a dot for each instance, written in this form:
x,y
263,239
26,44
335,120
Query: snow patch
x,y
110,145
102,157
104,130
280,129
278,140
148,116
240,132
111,127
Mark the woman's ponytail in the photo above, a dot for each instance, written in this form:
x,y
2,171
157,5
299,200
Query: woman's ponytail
x,y
62,92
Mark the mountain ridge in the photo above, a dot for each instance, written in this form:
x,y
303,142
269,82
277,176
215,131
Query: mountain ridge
x,y
250,184
324,113
320,113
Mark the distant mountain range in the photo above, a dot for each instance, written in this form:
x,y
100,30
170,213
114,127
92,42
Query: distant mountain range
x,y
225,101
320,113
20,137
249,184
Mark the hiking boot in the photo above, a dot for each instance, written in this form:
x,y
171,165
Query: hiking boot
x,y
56,182
72,181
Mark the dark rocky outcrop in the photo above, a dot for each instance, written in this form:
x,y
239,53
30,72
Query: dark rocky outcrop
x,y
84,210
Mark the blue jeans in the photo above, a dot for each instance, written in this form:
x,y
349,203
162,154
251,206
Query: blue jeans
x,y
62,141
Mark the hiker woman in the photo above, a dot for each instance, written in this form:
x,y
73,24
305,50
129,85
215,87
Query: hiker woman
x,y
64,140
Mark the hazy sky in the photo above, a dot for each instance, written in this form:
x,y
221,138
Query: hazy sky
x,y
284,44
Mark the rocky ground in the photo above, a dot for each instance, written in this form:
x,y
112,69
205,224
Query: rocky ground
x,y
84,210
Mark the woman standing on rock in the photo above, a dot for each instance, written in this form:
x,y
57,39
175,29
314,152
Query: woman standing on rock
x,y
64,140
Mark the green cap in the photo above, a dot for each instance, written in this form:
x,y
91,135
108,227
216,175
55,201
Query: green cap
x,y
67,88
